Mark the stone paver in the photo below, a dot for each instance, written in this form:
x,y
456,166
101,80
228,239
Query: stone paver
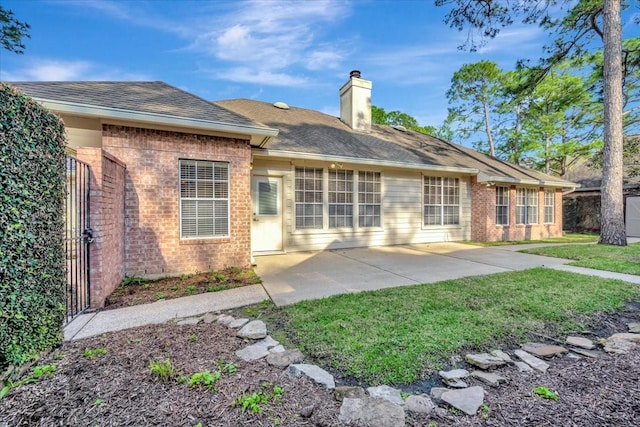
x,y
421,404
285,358
371,412
581,342
344,391
543,350
237,323
494,380
386,392
467,400
634,327
254,330
502,355
534,362
314,372
252,352
484,360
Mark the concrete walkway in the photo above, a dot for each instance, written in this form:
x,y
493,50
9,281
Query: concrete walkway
x,y
298,276
91,324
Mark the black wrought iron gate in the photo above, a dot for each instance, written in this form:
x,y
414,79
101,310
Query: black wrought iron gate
x,y
78,236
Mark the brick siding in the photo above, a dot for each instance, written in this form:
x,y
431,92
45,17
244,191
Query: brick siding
x,y
152,218
107,220
483,216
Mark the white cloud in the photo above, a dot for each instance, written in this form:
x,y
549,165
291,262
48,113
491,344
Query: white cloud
x,y
256,76
46,69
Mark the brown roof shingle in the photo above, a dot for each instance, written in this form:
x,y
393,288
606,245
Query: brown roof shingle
x,y
313,132
147,97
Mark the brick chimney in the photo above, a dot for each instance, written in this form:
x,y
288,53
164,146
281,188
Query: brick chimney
x,y
355,103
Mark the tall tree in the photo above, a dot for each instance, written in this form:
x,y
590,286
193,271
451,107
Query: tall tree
x,y
475,89
584,21
398,118
12,32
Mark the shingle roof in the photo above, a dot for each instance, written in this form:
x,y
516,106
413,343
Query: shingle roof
x,y
146,97
313,132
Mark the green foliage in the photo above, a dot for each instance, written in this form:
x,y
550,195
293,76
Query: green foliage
x,y
160,296
190,290
164,371
12,32
398,335
397,118
37,372
253,402
227,368
92,353
32,257
132,280
621,259
204,379
545,393
220,277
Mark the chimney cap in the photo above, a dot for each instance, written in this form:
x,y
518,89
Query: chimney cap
x,y
354,74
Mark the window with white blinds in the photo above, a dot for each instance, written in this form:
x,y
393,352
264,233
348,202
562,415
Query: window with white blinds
x,y
204,199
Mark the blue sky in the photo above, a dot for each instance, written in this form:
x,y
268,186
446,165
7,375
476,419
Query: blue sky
x,y
299,52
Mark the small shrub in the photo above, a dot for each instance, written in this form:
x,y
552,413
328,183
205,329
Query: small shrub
x,y
233,270
545,393
37,373
252,402
227,368
160,296
220,277
193,338
190,290
164,371
132,280
91,353
217,288
204,379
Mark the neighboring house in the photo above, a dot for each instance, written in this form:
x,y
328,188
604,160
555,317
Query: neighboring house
x,y
182,185
582,205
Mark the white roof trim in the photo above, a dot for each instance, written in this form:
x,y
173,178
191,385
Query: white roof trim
x,y
388,163
503,179
165,119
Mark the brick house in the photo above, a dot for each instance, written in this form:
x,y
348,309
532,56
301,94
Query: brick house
x,y
180,184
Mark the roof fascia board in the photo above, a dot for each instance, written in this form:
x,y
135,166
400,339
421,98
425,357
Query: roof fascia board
x,y
117,113
266,153
510,180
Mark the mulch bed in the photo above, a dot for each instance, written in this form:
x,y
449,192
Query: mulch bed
x,y
136,290
118,389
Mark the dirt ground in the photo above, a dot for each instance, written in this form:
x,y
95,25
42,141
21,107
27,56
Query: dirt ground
x,y
136,290
117,388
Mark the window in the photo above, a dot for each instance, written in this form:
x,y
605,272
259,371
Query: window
x,y
527,206
309,198
502,205
441,201
340,198
204,199
369,199
549,205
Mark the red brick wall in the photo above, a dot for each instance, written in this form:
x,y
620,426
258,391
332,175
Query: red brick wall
x,y
107,220
152,229
483,216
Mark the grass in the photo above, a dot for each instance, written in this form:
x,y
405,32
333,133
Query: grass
x,y
567,238
621,259
399,335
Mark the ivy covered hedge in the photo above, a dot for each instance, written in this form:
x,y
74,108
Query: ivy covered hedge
x,y
32,270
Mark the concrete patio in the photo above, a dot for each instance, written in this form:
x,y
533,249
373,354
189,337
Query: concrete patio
x,y
293,277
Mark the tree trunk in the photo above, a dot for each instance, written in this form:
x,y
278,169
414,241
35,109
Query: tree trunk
x,y
487,126
612,228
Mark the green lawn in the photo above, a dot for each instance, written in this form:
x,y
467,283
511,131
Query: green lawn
x,y
621,259
401,334
567,238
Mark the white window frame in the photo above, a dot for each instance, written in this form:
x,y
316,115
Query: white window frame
x,y
526,206
549,206
318,180
369,198
335,177
441,199
502,202
199,199
358,200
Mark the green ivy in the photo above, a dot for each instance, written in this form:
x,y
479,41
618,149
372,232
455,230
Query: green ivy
x,y
32,270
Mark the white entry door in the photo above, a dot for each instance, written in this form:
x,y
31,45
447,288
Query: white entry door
x,y
633,216
266,229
